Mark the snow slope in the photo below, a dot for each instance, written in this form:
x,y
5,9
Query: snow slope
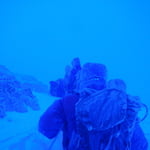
x,y
18,131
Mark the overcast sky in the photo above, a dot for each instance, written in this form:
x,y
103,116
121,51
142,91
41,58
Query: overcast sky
x,y
41,37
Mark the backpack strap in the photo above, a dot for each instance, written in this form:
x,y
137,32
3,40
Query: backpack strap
x,y
146,112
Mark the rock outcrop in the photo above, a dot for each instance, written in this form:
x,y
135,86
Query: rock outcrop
x,y
13,95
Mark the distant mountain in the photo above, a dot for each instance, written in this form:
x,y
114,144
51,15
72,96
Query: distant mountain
x,y
5,73
31,82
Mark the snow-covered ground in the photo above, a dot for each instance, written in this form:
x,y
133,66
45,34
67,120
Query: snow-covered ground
x,y
18,131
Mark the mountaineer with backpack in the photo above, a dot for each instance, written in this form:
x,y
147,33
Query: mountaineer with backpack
x,y
93,116
109,118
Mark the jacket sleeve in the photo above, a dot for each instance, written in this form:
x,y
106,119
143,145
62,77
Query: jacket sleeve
x,y
51,122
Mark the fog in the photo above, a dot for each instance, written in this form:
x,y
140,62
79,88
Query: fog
x,y
40,38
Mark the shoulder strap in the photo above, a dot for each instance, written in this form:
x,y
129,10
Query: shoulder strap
x,y
146,112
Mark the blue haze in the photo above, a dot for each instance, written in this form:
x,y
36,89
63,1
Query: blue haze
x,y
40,38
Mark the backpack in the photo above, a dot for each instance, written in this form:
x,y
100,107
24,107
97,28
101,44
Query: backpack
x,y
108,116
94,112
